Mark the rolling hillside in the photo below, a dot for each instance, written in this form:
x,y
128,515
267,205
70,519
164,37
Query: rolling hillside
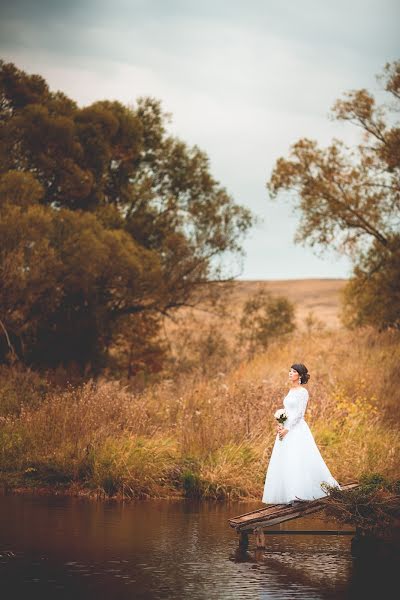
x,y
321,297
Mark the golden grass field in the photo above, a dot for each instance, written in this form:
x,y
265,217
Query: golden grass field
x,y
210,432
316,303
319,296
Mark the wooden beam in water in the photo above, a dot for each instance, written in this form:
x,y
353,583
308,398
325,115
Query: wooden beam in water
x,y
278,513
243,539
261,520
265,514
260,539
282,518
308,531
260,510
274,517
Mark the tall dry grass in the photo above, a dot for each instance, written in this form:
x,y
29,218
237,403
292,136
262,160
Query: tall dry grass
x,y
212,436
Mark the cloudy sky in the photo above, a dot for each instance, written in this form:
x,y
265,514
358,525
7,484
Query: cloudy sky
x,y
243,80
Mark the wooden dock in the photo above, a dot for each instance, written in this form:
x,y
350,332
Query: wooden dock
x,y
259,521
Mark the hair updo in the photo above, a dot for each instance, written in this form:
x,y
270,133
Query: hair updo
x,y
302,371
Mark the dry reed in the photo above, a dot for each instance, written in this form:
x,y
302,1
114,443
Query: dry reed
x,y
212,435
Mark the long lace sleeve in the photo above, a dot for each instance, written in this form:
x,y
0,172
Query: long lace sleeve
x,y
298,413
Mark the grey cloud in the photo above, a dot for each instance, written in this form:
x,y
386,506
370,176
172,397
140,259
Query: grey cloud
x,y
243,80
354,24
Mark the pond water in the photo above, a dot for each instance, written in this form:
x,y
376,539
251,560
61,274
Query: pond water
x,y
71,548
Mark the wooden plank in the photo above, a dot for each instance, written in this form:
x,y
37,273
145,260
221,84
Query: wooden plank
x,y
278,513
270,514
261,520
254,516
260,510
281,518
270,510
307,531
274,509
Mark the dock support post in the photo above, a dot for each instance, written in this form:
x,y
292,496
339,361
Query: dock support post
x,y
260,537
243,539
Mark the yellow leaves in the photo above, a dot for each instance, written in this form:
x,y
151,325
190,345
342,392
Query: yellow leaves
x,y
327,436
359,405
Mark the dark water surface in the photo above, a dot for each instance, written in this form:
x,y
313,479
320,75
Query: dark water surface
x,y
72,548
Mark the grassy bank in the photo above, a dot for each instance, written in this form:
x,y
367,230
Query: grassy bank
x,y
203,436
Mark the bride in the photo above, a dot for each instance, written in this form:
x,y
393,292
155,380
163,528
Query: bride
x,y
296,468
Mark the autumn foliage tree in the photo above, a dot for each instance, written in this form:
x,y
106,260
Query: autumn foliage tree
x,y
107,225
349,199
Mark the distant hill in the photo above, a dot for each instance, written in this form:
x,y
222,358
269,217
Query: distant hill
x,y
320,296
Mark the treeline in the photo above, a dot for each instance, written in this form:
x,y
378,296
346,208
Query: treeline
x,y
107,225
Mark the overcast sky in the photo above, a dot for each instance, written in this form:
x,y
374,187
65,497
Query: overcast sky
x,y
243,80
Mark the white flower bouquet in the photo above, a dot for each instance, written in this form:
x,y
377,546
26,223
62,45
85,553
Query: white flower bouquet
x,y
280,415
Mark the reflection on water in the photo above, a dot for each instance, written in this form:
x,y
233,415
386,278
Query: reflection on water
x,y
52,547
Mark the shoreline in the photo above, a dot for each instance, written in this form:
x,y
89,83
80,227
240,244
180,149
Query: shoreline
x,y
75,491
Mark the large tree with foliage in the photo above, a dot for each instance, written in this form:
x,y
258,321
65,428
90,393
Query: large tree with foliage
x,y
107,224
349,199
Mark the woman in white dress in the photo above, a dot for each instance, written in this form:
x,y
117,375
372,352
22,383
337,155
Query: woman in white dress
x,y
296,468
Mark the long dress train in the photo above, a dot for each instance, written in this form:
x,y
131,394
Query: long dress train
x,y
296,468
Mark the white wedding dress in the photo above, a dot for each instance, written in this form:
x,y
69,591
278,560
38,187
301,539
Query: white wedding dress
x,y
296,468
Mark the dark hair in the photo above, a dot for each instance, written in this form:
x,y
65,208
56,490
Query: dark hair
x,y
302,371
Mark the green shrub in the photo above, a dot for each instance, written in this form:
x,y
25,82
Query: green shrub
x,y
192,484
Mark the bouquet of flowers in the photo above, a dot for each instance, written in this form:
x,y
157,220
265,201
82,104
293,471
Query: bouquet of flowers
x,y
280,415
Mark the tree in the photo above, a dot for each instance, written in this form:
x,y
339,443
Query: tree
x,y
372,295
63,277
265,318
349,199
104,217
